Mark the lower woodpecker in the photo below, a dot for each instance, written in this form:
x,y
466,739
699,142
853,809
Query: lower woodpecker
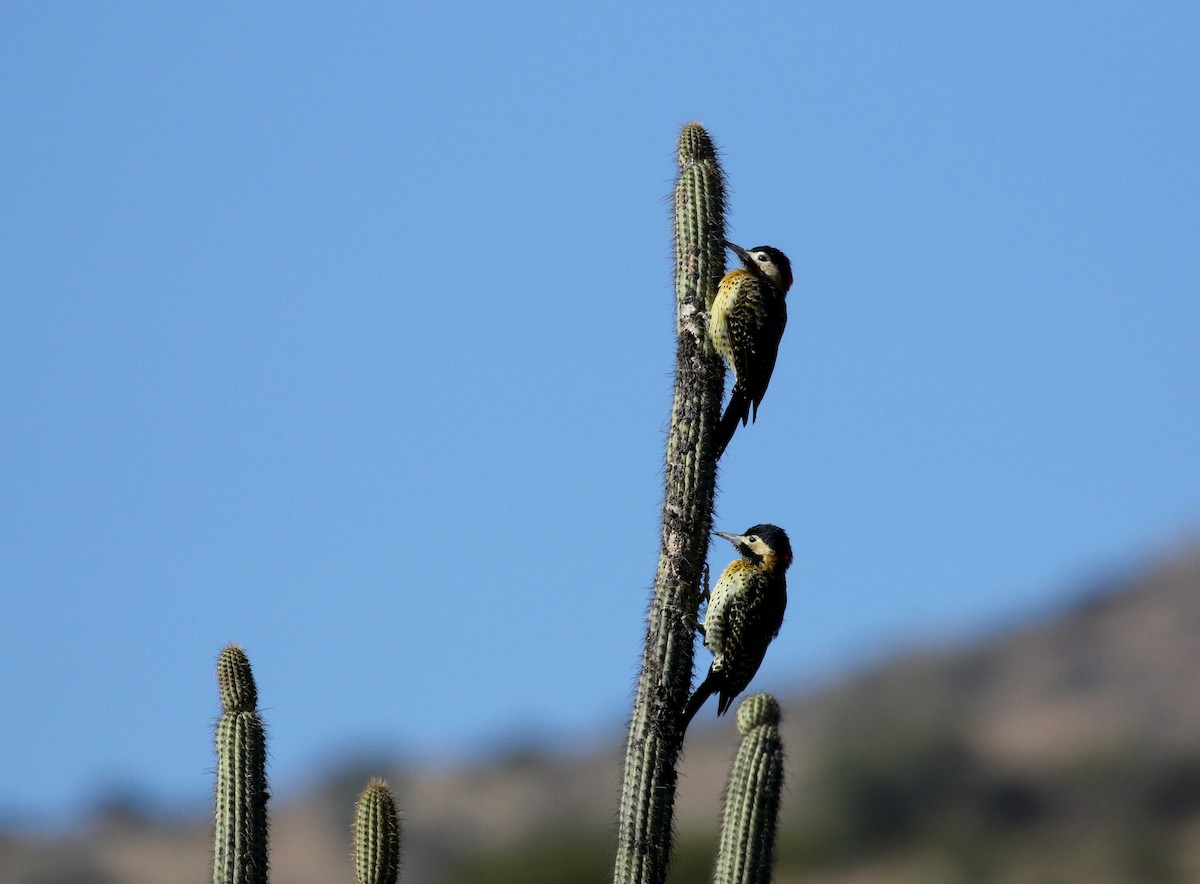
x,y
745,611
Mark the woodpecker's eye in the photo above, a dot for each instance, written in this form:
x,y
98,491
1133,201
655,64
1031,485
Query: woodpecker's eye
x,y
753,538
762,258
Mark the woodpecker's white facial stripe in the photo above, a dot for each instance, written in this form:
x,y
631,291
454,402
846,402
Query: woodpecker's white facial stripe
x,y
756,544
768,266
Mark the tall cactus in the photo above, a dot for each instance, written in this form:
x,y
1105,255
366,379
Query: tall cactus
x,y
648,793
376,836
747,848
240,831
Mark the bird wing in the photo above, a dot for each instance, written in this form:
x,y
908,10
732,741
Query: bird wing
x,y
752,620
755,329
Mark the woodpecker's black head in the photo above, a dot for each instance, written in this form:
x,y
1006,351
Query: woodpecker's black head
x,y
761,542
766,262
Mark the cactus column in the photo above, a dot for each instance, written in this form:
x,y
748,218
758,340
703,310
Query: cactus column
x,y
652,752
376,836
752,800
240,831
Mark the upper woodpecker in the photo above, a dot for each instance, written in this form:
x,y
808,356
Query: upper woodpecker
x,y
745,326
745,611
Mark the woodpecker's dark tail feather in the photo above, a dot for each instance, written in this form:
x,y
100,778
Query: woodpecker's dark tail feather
x,y
703,691
723,703
738,410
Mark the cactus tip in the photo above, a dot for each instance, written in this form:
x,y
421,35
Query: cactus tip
x,y
757,710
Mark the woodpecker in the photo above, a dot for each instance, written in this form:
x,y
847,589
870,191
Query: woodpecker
x,y
745,611
745,326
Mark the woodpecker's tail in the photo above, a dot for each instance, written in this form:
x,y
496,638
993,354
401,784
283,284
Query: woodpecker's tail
x,y
702,693
738,410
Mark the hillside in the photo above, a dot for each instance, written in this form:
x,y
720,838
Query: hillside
x,y
1065,750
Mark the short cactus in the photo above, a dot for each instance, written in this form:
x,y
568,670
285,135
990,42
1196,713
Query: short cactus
x,y
376,836
240,831
747,848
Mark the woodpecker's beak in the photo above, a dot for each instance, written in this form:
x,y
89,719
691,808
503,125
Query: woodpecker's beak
x,y
732,538
742,254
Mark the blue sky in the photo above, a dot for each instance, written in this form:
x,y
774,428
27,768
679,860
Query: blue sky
x,y
347,335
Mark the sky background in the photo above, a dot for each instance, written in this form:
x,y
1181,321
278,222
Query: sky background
x,y
347,335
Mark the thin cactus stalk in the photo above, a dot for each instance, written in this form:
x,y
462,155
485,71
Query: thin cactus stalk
x,y
747,849
376,836
240,830
652,752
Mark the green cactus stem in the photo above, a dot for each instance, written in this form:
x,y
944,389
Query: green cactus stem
x,y
376,836
652,752
240,830
747,849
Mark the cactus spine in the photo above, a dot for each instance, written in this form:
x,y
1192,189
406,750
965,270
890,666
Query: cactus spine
x,y
747,848
652,751
376,836
240,831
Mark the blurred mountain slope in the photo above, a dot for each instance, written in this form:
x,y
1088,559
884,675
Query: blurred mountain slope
x,y
1067,749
